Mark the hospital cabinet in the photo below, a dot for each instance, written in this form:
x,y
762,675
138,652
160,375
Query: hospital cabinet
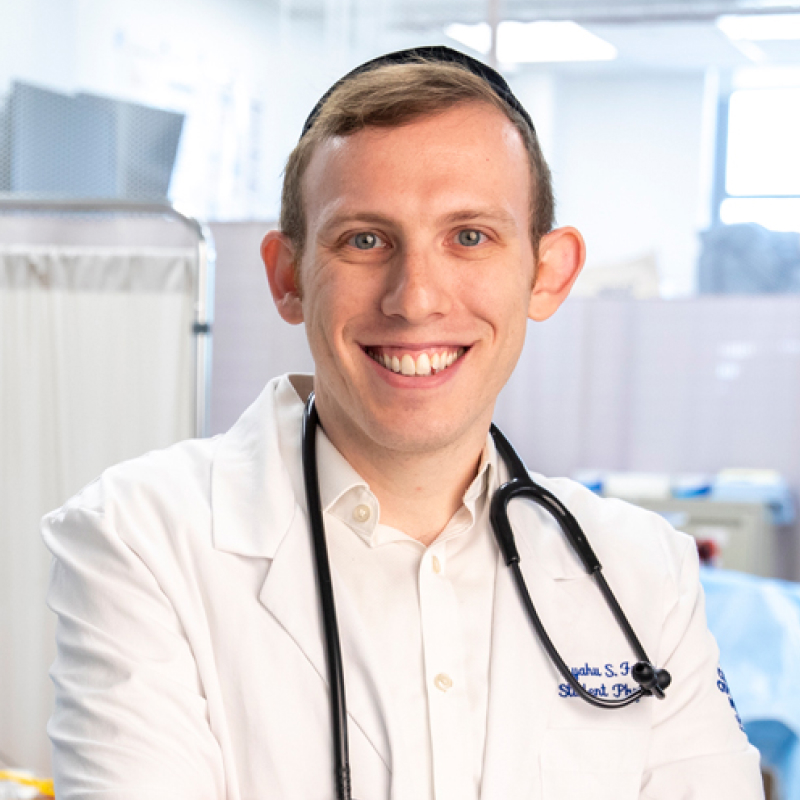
x,y
741,532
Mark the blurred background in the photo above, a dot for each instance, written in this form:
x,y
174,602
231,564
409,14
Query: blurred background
x,y
141,151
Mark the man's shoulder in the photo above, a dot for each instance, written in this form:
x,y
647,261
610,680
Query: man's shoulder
x,y
184,470
159,479
619,530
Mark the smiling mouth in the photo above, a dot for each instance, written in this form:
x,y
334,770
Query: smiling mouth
x,y
428,362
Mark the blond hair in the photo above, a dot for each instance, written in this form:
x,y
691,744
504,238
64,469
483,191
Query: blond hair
x,y
392,95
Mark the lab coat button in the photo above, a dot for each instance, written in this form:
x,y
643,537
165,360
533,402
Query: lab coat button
x,y
436,564
443,682
361,513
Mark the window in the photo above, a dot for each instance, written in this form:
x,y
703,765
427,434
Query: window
x,y
759,165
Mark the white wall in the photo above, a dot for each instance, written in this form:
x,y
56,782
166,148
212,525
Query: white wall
x,y
245,75
626,164
537,91
38,42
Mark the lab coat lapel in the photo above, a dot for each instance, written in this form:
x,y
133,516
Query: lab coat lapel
x,y
258,503
366,696
522,680
290,594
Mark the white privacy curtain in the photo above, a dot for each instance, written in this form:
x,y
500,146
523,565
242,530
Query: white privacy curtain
x,y
96,366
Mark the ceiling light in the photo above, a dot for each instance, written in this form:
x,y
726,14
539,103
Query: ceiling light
x,y
526,42
531,42
476,37
760,28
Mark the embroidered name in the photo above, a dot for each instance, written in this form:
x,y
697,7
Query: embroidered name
x,y
722,685
609,688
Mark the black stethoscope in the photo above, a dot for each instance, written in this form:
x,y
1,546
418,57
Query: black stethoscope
x,y
651,680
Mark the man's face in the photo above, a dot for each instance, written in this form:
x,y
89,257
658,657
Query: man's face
x,y
416,278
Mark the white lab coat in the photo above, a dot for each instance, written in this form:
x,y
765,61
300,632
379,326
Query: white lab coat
x,y
190,659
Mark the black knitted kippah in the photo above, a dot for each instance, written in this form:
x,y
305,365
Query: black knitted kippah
x,y
429,53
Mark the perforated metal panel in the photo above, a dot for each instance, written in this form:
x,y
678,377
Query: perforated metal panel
x,y
85,145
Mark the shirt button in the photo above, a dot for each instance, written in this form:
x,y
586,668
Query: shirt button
x,y
443,682
436,564
361,513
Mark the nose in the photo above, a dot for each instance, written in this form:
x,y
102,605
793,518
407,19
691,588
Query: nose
x,y
416,287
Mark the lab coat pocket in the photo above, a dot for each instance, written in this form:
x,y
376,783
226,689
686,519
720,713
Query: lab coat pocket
x,y
601,763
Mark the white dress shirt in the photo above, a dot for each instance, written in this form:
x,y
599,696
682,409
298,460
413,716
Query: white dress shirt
x,y
427,612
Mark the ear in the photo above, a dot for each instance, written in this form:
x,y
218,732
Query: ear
x,y
561,256
278,255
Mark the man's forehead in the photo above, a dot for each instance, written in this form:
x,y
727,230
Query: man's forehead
x,y
480,114
474,131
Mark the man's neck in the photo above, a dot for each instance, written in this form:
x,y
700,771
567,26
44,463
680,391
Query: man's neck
x,y
418,492
420,497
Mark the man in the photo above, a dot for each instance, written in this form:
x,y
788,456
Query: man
x,y
416,241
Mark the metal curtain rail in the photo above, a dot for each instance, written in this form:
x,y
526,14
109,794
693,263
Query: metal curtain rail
x,y
206,266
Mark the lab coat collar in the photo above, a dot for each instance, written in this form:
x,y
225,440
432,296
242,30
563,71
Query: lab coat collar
x,y
256,468
257,484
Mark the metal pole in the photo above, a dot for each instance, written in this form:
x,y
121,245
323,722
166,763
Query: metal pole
x,y
493,13
719,189
202,329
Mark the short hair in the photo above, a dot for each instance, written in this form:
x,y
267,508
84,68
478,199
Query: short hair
x,y
393,95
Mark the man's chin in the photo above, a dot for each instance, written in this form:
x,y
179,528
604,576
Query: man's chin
x,y
417,434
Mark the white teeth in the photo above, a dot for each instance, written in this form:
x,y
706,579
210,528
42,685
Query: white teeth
x,y
424,365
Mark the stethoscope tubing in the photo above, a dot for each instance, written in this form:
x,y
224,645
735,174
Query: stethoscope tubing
x,y
521,486
333,650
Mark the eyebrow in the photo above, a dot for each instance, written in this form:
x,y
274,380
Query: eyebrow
x,y
490,213
464,215
347,218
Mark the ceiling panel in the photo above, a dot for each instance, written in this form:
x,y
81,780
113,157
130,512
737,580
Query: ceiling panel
x,y
675,45
652,34
599,11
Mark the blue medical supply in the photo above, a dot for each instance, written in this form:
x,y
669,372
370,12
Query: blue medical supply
x,y
756,622
757,486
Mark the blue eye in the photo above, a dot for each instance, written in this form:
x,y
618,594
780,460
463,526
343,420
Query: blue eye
x,y
366,241
470,237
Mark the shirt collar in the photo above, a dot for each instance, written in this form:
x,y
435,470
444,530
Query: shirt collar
x,y
487,480
336,476
347,496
